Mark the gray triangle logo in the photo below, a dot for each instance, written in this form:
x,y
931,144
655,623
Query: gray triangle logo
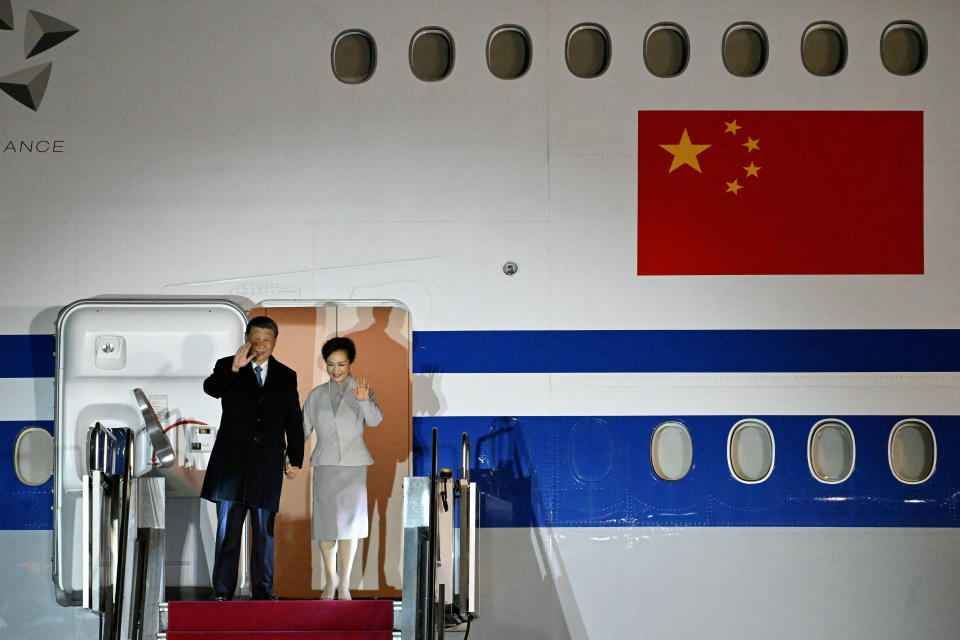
x,y
6,15
27,86
44,32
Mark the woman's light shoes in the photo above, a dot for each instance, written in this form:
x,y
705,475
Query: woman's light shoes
x,y
342,591
327,593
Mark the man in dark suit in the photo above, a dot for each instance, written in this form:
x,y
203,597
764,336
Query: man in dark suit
x,y
261,422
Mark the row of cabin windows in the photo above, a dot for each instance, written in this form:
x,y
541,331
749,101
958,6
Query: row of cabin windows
x,y
666,51
831,451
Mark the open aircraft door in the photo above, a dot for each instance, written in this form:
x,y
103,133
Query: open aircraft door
x,y
122,364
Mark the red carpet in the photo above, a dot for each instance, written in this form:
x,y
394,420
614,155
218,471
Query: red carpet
x,y
282,619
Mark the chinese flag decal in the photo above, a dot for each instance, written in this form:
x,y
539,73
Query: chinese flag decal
x,y
779,192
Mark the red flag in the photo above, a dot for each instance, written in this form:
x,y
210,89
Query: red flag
x,y
779,192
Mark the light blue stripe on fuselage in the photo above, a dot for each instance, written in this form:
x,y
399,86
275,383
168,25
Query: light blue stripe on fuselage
x,y
26,398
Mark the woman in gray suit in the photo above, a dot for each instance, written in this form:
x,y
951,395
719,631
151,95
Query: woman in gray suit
x,y
337,411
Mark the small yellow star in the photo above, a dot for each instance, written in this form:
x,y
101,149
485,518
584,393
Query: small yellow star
x,y
751,144
685,152
734,187
732,127
753,170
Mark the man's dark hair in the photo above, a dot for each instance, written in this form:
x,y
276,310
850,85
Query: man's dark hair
x,y
262,322
339,344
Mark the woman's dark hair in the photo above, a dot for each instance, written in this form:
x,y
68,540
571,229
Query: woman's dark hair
x,y
263,322
339,344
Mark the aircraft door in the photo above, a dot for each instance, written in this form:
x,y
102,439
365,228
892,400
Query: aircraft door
x,y
107,349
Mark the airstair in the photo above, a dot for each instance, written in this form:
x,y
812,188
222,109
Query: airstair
x,y
123,558
133,539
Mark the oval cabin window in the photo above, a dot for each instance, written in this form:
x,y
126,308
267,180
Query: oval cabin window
x,y
903,48
744,49
671,451
431,54
824,49
33,456
666,50
831,453
353,57
508,52
750,451
591,450
588,50
912,451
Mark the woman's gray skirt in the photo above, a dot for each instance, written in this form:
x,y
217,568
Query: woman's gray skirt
x,y
339,503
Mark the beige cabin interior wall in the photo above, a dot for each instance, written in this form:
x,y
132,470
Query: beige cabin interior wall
x,y
382,337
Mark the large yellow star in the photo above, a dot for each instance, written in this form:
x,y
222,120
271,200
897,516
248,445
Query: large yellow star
x,y
753,170
685,152
751,144
734,187
732,127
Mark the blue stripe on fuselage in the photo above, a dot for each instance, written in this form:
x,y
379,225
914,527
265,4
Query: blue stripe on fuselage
x,y
28,356
536,471
22,506
720,351
533,483
716,351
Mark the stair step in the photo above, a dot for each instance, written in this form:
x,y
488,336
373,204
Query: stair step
x,y
277,616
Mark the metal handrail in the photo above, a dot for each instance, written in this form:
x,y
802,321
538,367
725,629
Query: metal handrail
x,y
433,549
464,596
439,587
465,458
104,445
98,434
158,438
119,619
114,588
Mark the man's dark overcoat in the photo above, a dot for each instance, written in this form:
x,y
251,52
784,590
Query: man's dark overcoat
x,y
257,427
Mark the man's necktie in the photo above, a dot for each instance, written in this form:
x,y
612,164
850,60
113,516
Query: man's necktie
x,y
258,369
